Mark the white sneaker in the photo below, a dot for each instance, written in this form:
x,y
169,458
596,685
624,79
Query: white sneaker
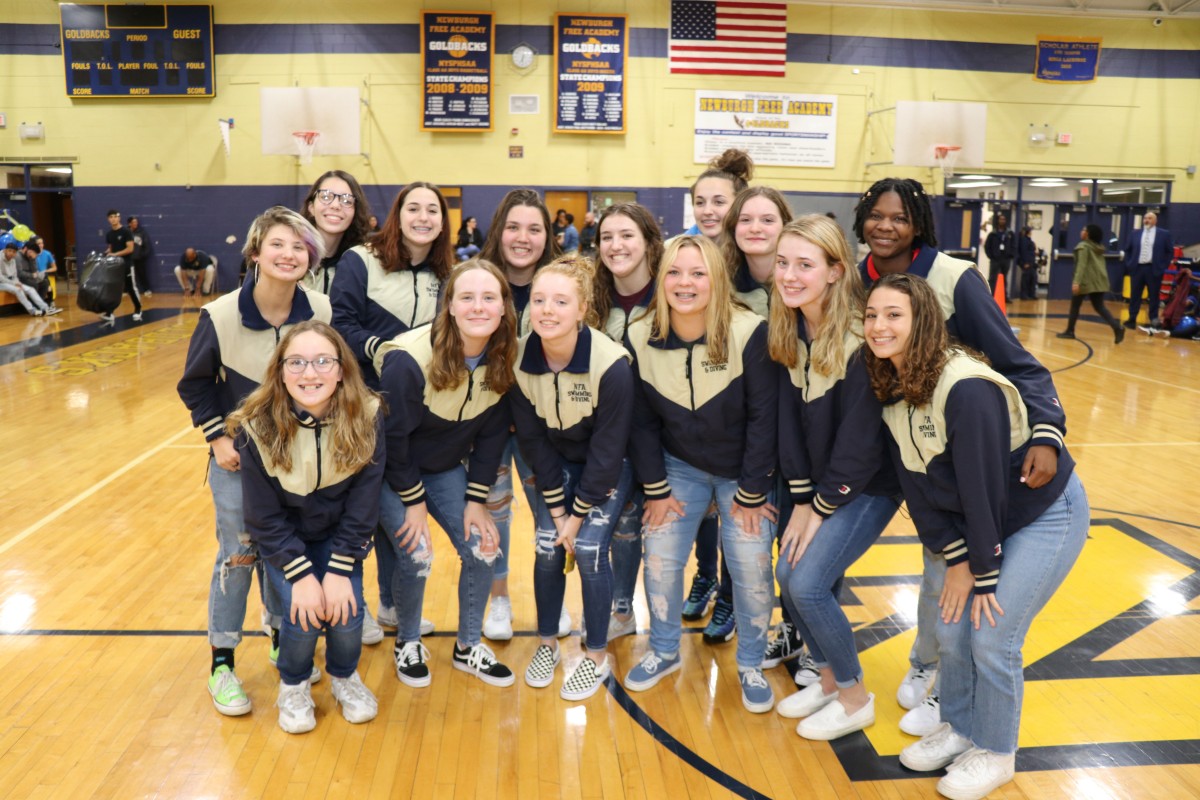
x,y
296,708
935,750
357,702
832,721
808,700
806,669
915,686
371,632
108,318
426,626
137,317
618,627
497,626
564,623
924,719
386,616
976,773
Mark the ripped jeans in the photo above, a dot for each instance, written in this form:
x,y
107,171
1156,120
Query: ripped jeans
x,y
237,559
627,551
500,498
591,556
445,500
749,558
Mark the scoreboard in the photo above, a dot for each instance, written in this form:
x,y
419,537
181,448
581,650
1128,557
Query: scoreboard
x,y
137,50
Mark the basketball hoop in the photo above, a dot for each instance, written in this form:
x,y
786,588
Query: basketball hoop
x,y
306,142
947,156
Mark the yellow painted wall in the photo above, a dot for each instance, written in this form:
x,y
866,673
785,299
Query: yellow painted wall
x,y
1120,125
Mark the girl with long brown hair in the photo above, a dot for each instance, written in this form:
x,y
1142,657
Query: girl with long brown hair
x,y
311,444
338,209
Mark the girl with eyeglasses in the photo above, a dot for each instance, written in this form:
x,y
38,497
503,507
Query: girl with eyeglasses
x,y
447,428
310,442
572,412
228,356
519,242
337,207
960,432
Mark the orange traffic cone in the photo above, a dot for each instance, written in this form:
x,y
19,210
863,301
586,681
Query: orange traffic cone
x,y
998,295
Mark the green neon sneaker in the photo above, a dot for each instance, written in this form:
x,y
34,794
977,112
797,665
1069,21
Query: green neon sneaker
x,y
227,693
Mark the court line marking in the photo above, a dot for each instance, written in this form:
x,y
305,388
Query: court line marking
x,y
96,487
1129,377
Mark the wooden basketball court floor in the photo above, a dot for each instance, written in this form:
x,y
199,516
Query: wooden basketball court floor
x,y
106,547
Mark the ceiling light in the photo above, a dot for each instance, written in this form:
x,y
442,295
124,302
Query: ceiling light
x,y
976,177
972,184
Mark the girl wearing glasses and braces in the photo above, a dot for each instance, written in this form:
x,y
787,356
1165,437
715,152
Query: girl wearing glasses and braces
x,y
338,209
311,443
231,348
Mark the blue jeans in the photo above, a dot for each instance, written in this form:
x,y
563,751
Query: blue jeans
x,y
445,501
809,589
385,562
626,551
749,558
924,652
466,252
500,499
231,581
591,556
343,642
982,676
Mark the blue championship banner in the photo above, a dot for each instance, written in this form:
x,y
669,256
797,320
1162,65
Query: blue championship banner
x,y
457,87
589,73
1067,59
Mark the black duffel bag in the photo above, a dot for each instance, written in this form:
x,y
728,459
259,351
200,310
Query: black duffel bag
x,y
102,284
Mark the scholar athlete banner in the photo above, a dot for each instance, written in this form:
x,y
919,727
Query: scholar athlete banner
x,y
1067,59
776,129
589,73
457,82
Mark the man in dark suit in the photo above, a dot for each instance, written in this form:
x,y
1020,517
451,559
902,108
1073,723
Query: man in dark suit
x,y
1027,261
1001,249
1148,253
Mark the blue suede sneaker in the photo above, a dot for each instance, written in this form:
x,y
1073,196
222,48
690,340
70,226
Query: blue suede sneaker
x,y
757,696
722,626
652,669
702,593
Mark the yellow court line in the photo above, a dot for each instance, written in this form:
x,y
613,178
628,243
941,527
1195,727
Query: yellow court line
x,y
58,512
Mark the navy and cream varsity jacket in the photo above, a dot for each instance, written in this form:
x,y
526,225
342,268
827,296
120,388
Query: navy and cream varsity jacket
x,y
960,457
371,305
973,318
618,322
228,355
720,418
433,431
580,415
832,445
756,296
311,502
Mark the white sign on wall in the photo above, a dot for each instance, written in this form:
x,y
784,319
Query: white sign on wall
x,y
776,129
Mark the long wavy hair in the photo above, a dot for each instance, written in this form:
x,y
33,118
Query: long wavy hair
x,y
492,250
730,251
603,287
281,215
929,345
388,245
718,315
447,368
360,224
348,426
841,305
582,273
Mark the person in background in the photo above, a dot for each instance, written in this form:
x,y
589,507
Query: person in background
x,y
36,277
570,237
1090,281
10,280
120,243
46,265
143,248
1148,253
587,235
559,225
1027,263
189,271
1001,248
470,239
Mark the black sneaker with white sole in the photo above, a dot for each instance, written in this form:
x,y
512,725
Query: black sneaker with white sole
x,y
481,662
411,668
784,646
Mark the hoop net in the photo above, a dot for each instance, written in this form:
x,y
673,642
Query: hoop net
x,y
224,125
306,142
946,156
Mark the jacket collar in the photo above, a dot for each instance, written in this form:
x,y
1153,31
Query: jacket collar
x,y
534,360
922,261
673,342
252,318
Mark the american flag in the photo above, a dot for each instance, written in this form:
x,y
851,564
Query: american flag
x,y
728,38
